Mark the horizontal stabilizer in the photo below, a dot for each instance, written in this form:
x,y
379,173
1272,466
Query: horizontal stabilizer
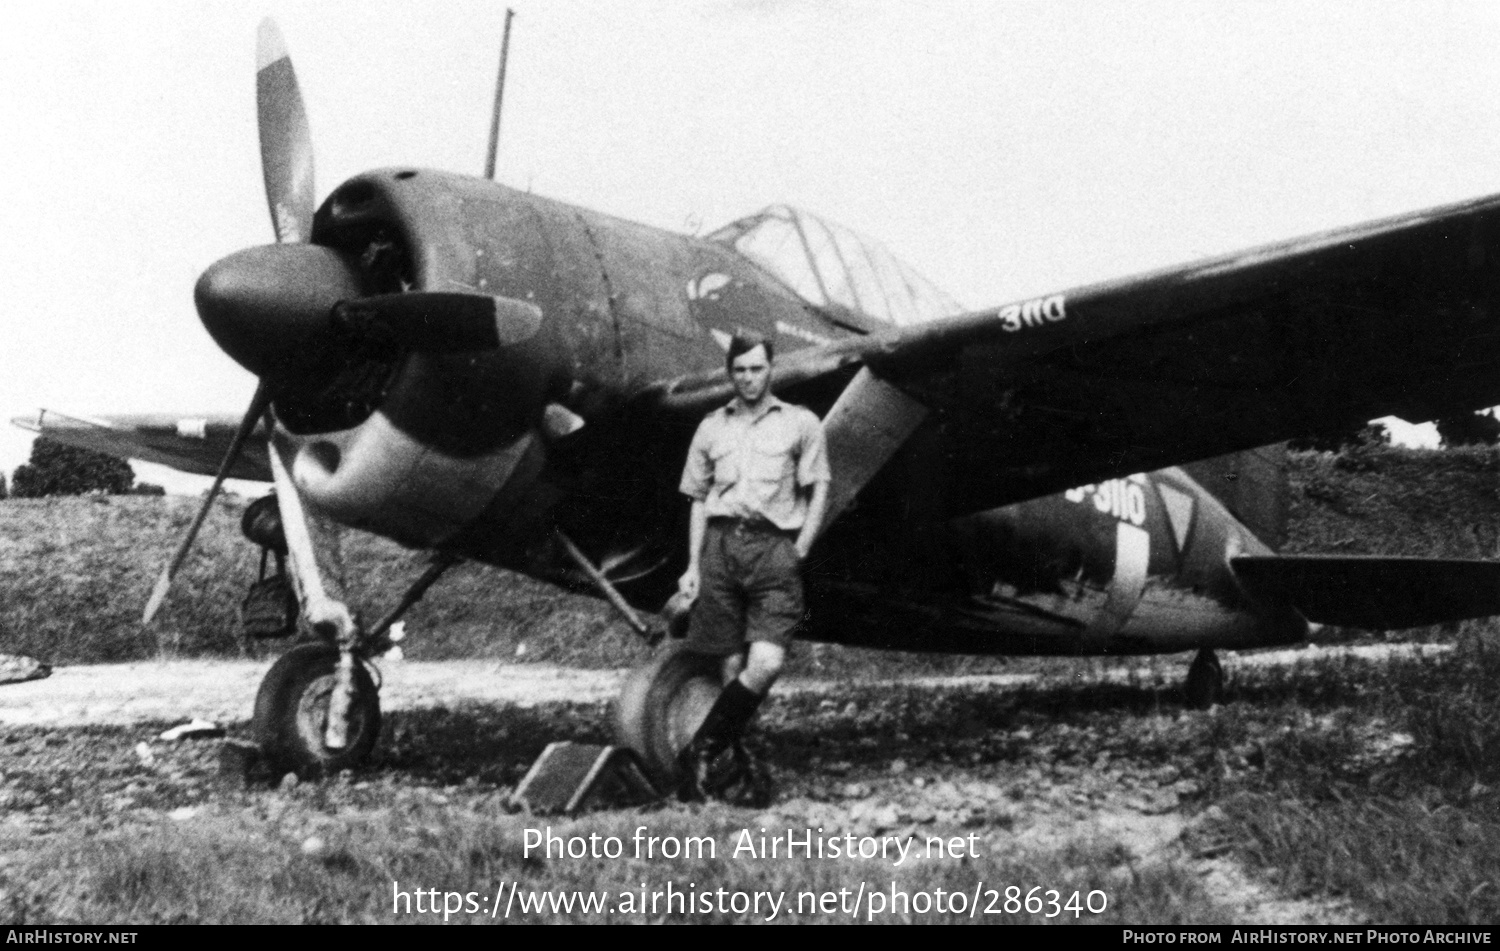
x,y
1374,592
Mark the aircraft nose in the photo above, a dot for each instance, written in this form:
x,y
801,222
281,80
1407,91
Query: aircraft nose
x,y
268,307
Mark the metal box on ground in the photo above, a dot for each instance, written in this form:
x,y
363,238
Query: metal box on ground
x,y
568,776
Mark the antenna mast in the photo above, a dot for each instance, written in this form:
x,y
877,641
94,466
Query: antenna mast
x,y
489,165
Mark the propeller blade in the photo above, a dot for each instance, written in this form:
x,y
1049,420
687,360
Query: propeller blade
x,y
440,321
286,156
258,404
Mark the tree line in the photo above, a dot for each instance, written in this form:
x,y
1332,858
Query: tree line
x,y
1457,429
59,469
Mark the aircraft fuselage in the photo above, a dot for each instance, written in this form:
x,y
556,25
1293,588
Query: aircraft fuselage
x,y
472,452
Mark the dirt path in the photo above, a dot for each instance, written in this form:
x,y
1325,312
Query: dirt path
x,y
224,690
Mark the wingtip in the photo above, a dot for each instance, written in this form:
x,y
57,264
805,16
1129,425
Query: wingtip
x,y
269,46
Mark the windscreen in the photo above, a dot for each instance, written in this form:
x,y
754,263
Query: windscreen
x,y
828,265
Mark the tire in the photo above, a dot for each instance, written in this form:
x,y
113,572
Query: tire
x,y
1205,681
661,705
291,711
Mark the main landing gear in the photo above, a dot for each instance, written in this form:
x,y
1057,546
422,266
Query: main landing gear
x,y
660,707
318,709
1205,681
291,721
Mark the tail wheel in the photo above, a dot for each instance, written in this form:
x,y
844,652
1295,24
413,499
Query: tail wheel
x,y
1205,681
291,713
661,705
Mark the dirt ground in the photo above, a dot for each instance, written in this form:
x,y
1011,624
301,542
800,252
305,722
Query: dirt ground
x,y
1033,799
223,690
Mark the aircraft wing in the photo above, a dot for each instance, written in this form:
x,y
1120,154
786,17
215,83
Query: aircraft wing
x,y
1395,317
188,444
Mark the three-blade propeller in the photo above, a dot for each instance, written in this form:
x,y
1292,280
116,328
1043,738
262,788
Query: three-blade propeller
x,y
295,310
286,158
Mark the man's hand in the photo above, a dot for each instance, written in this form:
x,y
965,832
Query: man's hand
x,y
689,582
817,505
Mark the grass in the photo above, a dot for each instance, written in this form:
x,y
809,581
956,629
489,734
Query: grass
x,y
234,868
1372,786
1392,500
75,574
1387,800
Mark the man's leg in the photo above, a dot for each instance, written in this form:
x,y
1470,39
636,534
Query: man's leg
x,y
773,610
738,701
763,666
724,727
717,627
720,730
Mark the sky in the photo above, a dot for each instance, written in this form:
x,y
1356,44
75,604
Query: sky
x,y
1005,149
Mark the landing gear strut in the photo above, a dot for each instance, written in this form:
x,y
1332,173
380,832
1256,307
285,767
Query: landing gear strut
x,y
318,711
1205,681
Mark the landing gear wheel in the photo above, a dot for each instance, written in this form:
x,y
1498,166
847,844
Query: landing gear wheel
x,y
291,713
660,707
1205,681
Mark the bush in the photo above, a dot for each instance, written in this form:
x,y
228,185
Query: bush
x,y
58,469
1468,429
1337,440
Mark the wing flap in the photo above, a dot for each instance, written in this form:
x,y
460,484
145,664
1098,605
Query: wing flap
x,y
1374,592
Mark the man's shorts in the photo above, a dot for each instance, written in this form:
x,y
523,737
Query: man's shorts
x,y
750,589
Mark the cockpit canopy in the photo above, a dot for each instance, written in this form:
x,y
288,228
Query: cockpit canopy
x,y
830,266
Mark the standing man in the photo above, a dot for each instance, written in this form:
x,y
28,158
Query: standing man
x,y
757,473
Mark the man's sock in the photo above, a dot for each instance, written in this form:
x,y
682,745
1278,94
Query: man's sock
x,y
728,717
726,720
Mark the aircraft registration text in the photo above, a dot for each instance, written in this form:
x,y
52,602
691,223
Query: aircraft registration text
x,y
1122,498
1033,313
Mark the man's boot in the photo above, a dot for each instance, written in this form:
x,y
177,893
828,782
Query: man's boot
x,y
751,784
725,722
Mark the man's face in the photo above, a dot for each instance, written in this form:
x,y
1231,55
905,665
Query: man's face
x,y
751,373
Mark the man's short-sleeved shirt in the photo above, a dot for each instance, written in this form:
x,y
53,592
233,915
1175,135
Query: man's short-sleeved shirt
x,y
746,463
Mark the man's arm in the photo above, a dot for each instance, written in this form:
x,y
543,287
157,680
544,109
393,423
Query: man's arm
x,y
697,480
697,528
816,507
813,475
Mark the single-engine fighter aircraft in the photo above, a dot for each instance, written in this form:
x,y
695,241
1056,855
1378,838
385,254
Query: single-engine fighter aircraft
x,y
492,375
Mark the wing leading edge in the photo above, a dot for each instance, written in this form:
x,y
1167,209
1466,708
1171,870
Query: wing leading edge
x,y
1395,317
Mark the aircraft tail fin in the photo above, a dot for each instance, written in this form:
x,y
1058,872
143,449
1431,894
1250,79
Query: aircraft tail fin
x,y
1252,485
1374,592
